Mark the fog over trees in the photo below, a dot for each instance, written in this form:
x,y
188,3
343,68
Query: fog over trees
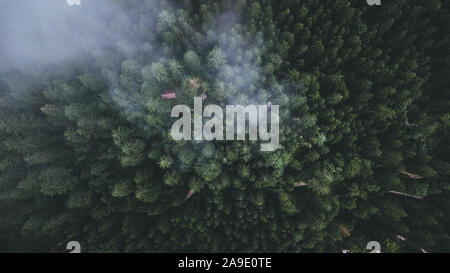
x,y
86,154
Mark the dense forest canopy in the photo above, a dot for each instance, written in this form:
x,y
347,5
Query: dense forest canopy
x,y
363,92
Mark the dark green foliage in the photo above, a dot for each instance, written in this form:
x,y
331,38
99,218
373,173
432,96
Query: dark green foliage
x,y
364,101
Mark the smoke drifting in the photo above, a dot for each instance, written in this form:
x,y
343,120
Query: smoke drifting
x,y
39,33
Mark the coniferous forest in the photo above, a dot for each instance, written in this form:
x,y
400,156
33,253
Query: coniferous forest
x,y
364,106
